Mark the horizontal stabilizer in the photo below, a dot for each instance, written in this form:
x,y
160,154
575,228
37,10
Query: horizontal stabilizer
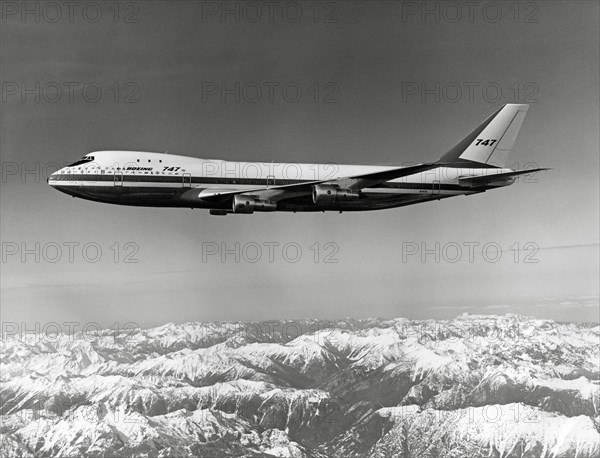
x,y
500,178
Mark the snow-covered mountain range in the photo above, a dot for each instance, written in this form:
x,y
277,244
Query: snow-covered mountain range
x,y
475,386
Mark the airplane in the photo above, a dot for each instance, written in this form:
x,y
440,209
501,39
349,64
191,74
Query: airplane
x,y
476,164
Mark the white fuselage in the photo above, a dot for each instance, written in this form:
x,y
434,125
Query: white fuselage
x,y
157,179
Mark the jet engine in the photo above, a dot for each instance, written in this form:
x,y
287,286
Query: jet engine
x,y
249,204
327,194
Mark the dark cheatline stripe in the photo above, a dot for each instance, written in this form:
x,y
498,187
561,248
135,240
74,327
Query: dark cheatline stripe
x,y
156,180
187,181
171,179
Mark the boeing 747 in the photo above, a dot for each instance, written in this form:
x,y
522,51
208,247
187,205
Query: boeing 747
x,y
476,164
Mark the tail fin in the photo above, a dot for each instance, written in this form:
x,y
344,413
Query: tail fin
x,y
492,141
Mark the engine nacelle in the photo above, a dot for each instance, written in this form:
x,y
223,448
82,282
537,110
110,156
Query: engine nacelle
x,y
328,194
249,204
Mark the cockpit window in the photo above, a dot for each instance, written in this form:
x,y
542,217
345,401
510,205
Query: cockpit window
x,y
83,160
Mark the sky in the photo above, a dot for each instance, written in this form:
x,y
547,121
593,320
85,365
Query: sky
x,y
356,82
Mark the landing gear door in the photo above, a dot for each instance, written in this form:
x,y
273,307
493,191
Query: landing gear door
x,y
118,178
187,180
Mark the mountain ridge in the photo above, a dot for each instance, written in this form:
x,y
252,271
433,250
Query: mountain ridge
x,y
508,385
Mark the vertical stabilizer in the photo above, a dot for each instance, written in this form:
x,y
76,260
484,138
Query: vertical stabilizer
x,y
492,141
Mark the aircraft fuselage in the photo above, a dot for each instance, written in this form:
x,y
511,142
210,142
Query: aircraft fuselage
x,y
166,180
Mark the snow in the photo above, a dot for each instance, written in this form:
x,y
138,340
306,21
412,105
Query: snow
x,y
492,383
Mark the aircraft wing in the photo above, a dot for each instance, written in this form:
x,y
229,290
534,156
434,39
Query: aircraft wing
x,y
359,182
355,183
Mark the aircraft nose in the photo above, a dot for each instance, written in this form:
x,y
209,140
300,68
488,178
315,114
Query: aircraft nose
x,y
51,178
